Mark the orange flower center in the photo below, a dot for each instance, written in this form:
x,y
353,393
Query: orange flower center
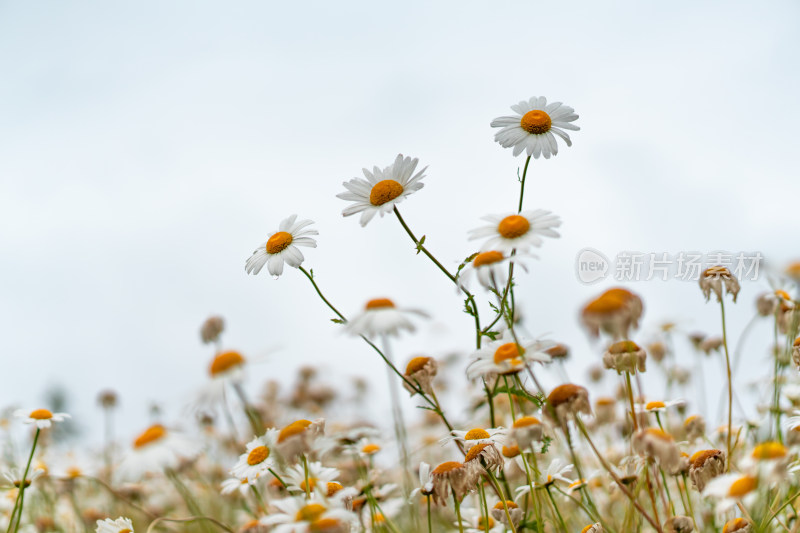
x,y
536,122
507,351
512,451
742,486
624,347
126,530
41,414
325,524
477,434
279,242
333,488
485,523
526,421
224,362
716,272
564,393
735,525
769,450
475,451
150,435
416,364
447,467
513,226
655,405
369,449
257,455
295,428
379,303
487,258
606,303
385,191
309,513
312,484
659,434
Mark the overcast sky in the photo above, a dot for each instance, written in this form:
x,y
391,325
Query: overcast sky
x,y
146,148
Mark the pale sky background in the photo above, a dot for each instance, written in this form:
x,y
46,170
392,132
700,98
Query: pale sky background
x,y
146,148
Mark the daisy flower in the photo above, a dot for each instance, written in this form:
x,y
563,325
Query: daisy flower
x,y
234,483
490,268
319,478
478,436
557,470
257,458
659,406
504,356
42,418
14,476
534,127
474,521
155,449
120,525
281,247
516,231
729,489
425,487
296,515
381,317
382,189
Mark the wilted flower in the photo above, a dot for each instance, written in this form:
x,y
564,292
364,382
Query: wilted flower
x,y
296,438
737,525
678,524
455,476
718,279
498,512
567,400
212,328
420,371
704,466
526,430
659,445
625,356
484,454
614,312
695,427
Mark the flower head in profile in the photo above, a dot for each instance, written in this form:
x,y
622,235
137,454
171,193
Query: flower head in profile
x,y
535,126
120,525
717,279
504,356
155,449
516,231
382,317
490,268
41,418
281,247
382,189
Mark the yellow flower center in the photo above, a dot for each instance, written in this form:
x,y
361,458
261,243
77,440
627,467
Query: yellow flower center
x,y
769,450
526,421
385,191
487,258
623,347
536,122
312,484
742,486
513,226
325,524
333,488
655,405
485,523
379,303
587,528
295,428
150,435
513,451
475,451
716,272
564,393
605,304
477,434
257,455
734,525
659,434
224,362
509,504
447,467
605,401
41,414
507,351
782,294
126,530
416,364
310,513
698,459
369,449
279,242
74,472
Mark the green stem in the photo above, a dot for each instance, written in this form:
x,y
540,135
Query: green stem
x,y
730,384
555,506
522,184
458,513
430,524
23,485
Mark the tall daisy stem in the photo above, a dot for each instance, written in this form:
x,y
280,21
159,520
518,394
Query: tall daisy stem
x,y
18,504
458,513
522,184
730,384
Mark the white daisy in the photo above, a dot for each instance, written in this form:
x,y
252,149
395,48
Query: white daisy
x,y
234,483
504,356
155,449
557,470
319,478
382,189
425,487
282,247
120,525
296,515
517,231
491,268
257,458
533,127
382,317
729,489
478,436
42,418
658,406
